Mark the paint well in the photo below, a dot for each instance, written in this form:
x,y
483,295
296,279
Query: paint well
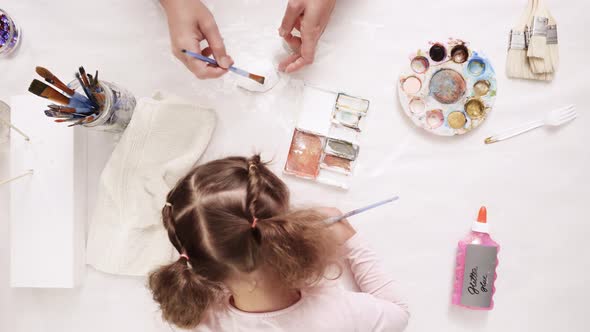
x,y
447,86
476,67
437,52
417,106
456,120
337,163
348,119
459,54
350,103
434,119
342,149
475,108
411,85
305,154
419,64
481,88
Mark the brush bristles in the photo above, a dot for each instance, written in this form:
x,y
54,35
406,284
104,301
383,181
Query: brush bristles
x,y
554,55
518,66
43,72
259,79
541,65
537,47
37,87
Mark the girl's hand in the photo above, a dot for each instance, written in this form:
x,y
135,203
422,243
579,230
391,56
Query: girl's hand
x,y
190,22
310,17
342,230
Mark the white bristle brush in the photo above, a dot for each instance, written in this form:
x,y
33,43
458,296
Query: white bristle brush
x,y
552,43
517,63
538,52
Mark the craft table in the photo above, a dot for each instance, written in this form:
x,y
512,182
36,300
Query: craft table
x,y
536,186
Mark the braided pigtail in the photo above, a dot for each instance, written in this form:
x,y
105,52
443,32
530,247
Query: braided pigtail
x,y
183,295
253,190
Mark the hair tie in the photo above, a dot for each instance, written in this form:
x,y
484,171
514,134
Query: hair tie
x,y
254,222
184,256
168,204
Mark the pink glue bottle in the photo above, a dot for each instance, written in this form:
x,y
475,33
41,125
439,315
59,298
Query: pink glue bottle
x,y
475,273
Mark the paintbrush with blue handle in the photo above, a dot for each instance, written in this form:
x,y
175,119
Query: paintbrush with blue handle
x,y
241,72
336,219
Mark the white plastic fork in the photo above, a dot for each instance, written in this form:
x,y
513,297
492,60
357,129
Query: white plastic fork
x,y
554,118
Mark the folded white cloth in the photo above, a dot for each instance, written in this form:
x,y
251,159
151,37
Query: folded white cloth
x,y
164,140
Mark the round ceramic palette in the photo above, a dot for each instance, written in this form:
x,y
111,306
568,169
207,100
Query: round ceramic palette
x,y
447,88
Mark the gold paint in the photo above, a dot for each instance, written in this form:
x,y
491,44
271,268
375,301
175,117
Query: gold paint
x,y
475,108
456,120
490,140
481,88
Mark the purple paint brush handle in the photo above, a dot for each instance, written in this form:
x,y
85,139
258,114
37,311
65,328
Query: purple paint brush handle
x,y
336,219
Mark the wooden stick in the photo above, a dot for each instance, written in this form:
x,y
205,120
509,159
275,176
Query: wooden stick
x,y
29,172
27,138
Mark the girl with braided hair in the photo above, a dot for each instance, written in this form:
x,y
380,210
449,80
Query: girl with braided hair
x,y
249,262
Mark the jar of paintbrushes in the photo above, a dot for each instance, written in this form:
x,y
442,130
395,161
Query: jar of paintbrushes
x,y
10,34
86,101
116,107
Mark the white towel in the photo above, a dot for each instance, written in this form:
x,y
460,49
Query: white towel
x,y
164,140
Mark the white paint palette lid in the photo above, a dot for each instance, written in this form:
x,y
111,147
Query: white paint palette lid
x,y
447,88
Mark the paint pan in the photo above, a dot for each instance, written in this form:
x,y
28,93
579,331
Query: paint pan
x,y
352,104
321,148
437,52
475,108
481,88
417,106
411,84
337,164
476,67
459,53
348,119
456,120
420,64
305,154
447,88
434,119
342,149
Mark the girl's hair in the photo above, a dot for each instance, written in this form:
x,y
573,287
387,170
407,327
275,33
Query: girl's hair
x,y
230,215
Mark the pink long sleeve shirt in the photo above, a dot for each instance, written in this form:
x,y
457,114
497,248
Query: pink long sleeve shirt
x,y
377,307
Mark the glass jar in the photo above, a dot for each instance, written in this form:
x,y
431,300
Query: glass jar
x,y
116,112
4,122
10,34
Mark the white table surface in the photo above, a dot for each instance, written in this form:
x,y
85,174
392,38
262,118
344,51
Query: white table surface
x,y
536,187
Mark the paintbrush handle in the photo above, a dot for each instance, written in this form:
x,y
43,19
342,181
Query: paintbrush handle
x,y
201,57
336,219
514,132
27,138
239,71
58,84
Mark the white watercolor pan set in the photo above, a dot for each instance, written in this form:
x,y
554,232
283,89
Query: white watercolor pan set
x,y
325,146
447,88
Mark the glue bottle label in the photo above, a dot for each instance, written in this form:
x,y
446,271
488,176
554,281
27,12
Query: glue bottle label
x,y
478,278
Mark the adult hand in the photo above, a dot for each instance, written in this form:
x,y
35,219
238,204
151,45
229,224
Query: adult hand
x,y
310,17
341,230
190,22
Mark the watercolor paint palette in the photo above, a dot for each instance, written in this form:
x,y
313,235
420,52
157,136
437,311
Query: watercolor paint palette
x,y
447,88
324,146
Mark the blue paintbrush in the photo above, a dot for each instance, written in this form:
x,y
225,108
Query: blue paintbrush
x,y
336,219
241,72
